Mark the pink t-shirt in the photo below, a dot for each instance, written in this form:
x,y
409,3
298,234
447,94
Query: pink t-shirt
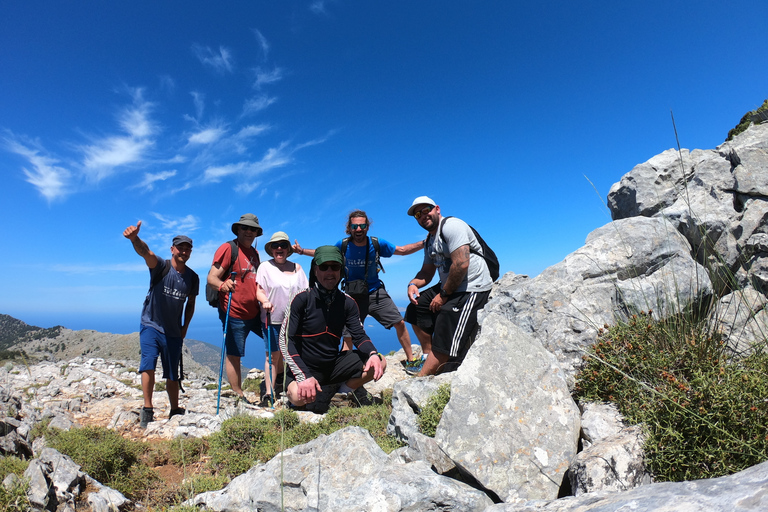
x,y
279,287
245,305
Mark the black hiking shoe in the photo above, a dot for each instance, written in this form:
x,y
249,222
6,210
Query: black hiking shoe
x,y
176,411
266,401
147,415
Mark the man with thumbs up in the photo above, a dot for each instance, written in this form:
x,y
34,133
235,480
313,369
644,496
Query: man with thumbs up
x,y
172,284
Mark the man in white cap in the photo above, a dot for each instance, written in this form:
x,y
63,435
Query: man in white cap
x,y
244,312
444,317
172,284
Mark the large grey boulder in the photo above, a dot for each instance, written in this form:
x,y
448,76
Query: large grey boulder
x,y
615,463
344,472
746,491
628,265
511,422
715,198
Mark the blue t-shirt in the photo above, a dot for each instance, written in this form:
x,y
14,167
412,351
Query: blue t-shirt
x,y
164,304
355,261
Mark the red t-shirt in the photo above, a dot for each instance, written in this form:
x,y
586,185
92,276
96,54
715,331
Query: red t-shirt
x,y
244,303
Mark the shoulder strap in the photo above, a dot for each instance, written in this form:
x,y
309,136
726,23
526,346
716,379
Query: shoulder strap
x,y
379,266
234,252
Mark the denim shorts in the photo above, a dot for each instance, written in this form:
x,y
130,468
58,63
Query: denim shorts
x,y
154,343
237,331
272,334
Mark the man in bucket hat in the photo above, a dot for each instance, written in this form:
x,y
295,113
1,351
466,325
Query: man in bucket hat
x,y
244,310
172,284
312,334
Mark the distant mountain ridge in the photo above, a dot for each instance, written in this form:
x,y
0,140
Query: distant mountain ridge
x,y
59,343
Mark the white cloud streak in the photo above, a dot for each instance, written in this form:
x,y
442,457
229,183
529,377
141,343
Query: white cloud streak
x,y
267,76
263,43
274,158
207,136
221,62
49,178
102,157
148,183
257,104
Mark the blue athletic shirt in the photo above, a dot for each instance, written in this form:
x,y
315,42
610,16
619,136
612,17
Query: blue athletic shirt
x,y
355,261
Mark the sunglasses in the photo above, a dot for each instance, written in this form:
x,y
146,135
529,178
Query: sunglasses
x,y
280,245
355,227
248,228
423,211
332,266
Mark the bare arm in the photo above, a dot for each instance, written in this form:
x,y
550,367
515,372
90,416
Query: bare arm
x,y
458,270
217,277
139,245
404,250
300,250
422,279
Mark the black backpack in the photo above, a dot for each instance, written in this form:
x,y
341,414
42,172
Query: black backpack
x,y
359,286
211,292
488,255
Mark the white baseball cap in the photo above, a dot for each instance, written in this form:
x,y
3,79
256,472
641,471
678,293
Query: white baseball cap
x,y
420,200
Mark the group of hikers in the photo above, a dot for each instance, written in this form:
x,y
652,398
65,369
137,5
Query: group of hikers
x,y
313,328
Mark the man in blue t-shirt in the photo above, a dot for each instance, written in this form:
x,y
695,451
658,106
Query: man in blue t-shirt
x,y
362,281
172,285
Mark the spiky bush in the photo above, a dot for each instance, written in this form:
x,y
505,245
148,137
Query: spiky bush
x,y
703,410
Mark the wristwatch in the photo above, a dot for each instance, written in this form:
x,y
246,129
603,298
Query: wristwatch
x,y
443,293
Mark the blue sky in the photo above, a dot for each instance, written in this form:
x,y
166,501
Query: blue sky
x,y
188,114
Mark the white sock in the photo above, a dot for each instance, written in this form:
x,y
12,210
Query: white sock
x,y
344,389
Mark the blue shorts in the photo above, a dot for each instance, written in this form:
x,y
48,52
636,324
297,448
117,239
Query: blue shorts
x,y
154,343
272,334
237,331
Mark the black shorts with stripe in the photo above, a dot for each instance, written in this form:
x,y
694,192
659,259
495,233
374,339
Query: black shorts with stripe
x,y
454,327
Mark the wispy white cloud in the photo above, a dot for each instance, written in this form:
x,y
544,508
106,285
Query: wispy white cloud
x,y
272,159
318,7
221,61
263,43
252,130
185,224
199,99
103,156
148,183
257,104
267,76
207,135
45,174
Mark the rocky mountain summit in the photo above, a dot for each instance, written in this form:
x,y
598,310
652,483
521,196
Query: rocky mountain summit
x,y
511,437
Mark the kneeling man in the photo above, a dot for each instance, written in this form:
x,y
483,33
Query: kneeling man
x,y
312,334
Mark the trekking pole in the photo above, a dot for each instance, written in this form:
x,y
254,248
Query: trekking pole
x,y
269,357
223,344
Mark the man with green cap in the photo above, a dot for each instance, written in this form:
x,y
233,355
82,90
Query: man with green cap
x,y
244,312
312,334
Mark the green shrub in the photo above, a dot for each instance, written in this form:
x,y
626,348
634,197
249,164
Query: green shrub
x,y
252,385
107,457
753,116
704,411
429,415
14,498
